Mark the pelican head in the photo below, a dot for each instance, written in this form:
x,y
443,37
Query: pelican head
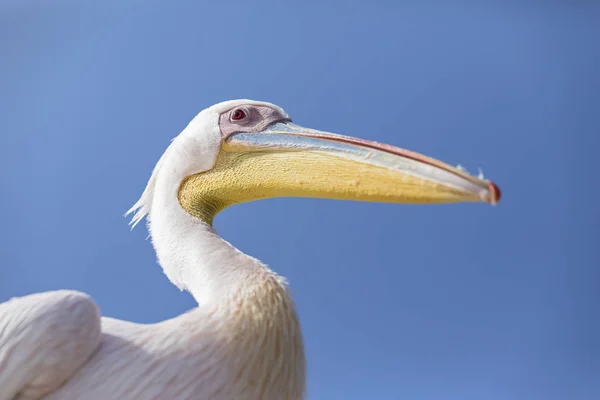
x,y
243,150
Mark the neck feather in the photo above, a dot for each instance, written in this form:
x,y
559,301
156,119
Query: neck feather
x,y
252,304
193,256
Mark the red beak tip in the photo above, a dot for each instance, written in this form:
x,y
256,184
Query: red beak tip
x,y
495,193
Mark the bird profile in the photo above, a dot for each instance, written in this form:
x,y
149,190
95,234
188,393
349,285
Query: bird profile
x,y
244,339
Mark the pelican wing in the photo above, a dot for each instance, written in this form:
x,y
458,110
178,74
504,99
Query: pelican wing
x,y
44,339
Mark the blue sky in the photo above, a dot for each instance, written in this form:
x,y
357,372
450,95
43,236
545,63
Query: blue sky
x,y
422,302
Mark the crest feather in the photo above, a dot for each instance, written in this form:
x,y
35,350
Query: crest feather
x,y
143,206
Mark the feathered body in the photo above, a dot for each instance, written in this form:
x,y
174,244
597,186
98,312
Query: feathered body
x,y
248,347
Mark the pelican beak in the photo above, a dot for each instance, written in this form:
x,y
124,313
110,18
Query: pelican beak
x,y
287,160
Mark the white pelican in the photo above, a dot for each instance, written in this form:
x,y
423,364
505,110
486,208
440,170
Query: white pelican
x,y
243,341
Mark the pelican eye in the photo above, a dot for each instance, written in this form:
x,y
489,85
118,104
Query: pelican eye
x,y
238,114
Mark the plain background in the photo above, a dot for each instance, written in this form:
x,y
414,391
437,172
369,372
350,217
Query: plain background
x,y
444,302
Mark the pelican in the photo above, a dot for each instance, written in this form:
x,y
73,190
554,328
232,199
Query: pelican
x,y
243,341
